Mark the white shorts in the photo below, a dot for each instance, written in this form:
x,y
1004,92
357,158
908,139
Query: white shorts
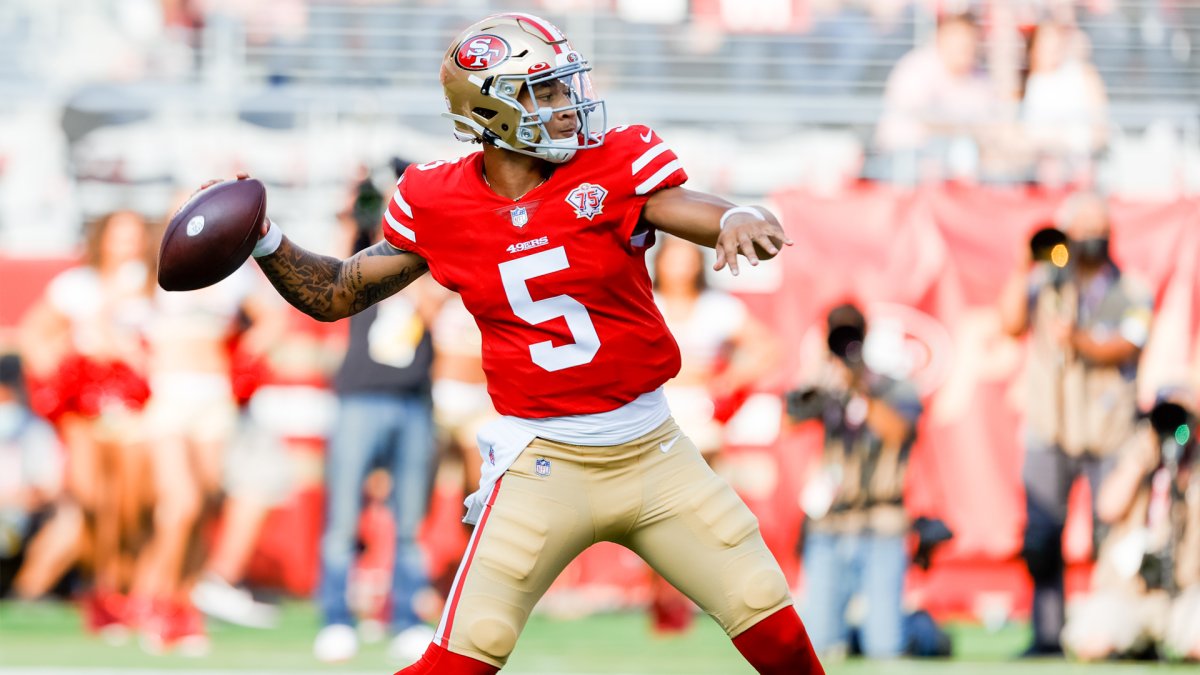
x,y
197,406
460,408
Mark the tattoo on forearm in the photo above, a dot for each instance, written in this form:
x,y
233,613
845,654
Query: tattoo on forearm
x,y
326,288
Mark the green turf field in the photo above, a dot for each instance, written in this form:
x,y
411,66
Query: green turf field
x,y
45,639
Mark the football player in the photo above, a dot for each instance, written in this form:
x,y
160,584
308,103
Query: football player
x,y
544,232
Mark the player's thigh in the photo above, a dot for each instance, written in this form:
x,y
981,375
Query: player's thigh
x,y
529,532
699,535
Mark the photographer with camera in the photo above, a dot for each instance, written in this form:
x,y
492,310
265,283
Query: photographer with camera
x,y
1087,322
855,534
1146,585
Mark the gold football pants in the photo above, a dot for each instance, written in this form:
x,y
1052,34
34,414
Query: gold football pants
x,y
654,495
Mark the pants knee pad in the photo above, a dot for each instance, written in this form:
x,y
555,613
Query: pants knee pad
x,y
764,587
492,636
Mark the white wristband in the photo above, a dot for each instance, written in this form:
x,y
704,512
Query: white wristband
x,y
741,209
269,242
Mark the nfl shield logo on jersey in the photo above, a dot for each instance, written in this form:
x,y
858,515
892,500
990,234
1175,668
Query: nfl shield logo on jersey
x,y
519,216
541,466
587,200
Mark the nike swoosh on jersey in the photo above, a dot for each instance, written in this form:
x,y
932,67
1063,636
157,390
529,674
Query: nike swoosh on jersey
x,y
666,447
647,136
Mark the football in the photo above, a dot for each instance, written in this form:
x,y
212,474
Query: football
x,y
211,235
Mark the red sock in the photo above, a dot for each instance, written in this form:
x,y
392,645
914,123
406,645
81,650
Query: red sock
x,y
439,661
779,645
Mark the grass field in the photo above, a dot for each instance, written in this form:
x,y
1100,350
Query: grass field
x,y
45,639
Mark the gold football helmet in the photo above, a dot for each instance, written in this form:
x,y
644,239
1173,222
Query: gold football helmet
x,y
488,68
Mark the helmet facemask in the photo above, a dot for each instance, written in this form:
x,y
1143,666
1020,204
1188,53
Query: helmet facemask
x,y
533,132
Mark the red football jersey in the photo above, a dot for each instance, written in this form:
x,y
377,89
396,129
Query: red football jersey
x,y
556,280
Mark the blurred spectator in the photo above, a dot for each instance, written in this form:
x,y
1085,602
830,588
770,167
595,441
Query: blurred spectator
x,y
461,404
31,463
936,105
855,535
1146,584
1088,323
1064,110
191,417
720,362
385,417
257,477
82,345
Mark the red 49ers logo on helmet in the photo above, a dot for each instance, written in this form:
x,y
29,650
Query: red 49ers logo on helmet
x,y
482,52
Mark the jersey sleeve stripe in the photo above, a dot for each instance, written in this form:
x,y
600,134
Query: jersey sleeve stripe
x,y
402,204
659,176
400,227
641,162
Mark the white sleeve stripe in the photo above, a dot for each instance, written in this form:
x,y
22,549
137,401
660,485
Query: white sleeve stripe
x,y
658,177
399,227
402,204
641,162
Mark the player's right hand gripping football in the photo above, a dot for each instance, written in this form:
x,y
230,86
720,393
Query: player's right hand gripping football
x,y
757,238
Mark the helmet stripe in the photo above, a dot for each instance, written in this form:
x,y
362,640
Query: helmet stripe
x,y
547,29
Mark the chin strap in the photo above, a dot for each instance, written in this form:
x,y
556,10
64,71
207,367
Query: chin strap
x,y
554,155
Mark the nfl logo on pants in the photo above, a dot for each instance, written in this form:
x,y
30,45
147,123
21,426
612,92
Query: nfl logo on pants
x,y
541,466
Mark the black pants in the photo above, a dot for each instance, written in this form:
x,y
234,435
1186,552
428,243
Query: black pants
x,y
1048,476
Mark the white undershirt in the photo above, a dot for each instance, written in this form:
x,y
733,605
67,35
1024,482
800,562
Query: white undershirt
x,y
502,440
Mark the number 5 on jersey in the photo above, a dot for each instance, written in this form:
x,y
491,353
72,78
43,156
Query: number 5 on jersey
x,y
514,274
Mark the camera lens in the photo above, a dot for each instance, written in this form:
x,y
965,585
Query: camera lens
x,y
1050,245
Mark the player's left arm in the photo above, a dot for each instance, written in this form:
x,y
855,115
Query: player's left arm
x,y
754,232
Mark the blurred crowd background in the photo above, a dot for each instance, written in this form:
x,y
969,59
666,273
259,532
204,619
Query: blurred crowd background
x,y
870,394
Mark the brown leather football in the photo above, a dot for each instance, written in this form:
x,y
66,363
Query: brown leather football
x,y
212,235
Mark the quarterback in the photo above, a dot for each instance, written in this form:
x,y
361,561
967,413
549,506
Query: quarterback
x,y
544,232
